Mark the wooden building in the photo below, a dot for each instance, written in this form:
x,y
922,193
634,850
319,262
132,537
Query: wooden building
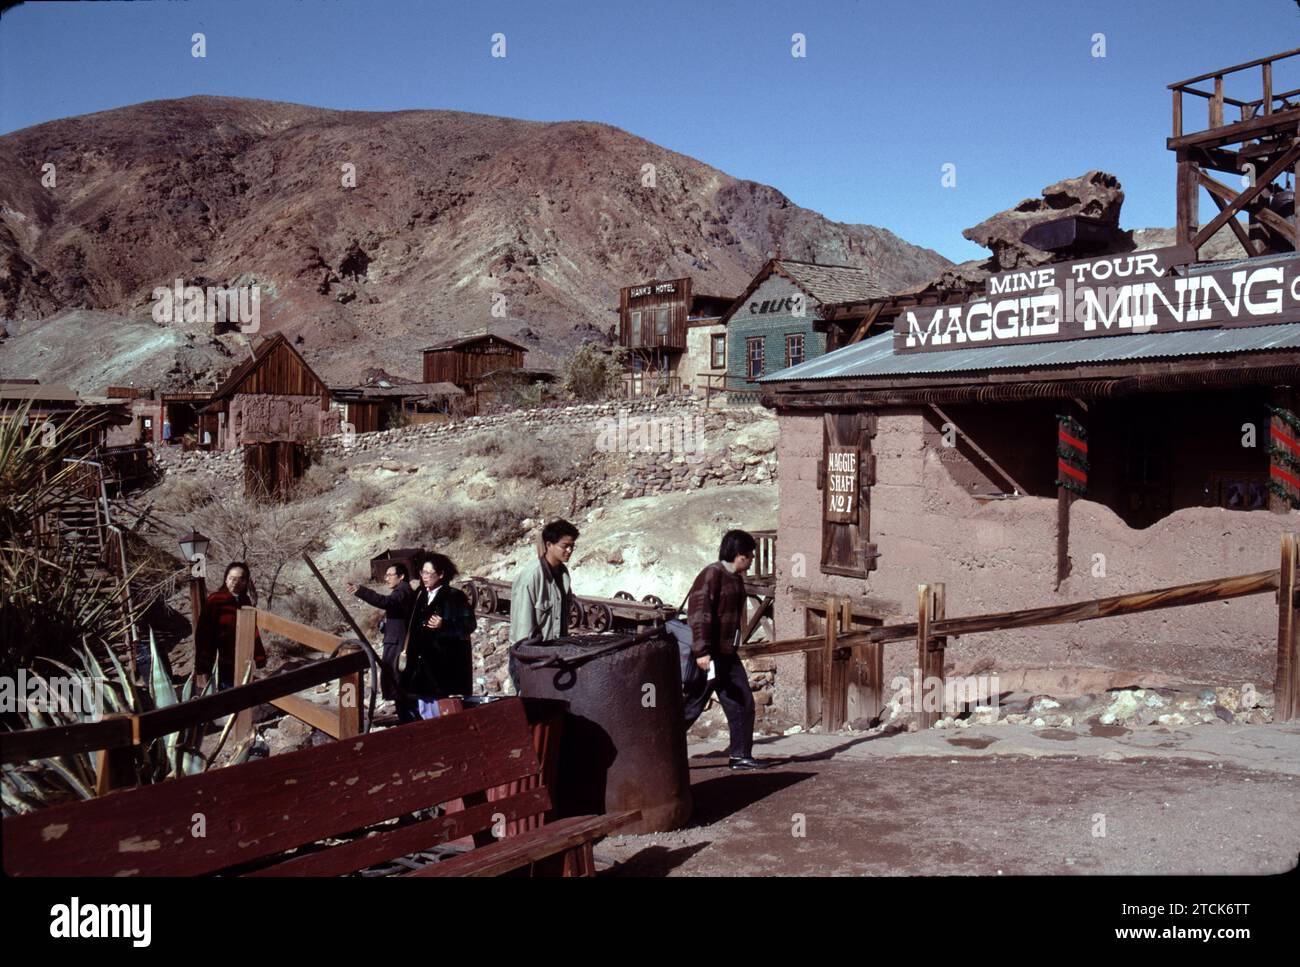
x,y
384,404
1024,457
1100,426
779,321
671,332
124,463
461,361
271,405
273,395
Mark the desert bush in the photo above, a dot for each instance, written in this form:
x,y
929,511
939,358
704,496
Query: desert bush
x,y
546,461
485,445
368,495
320,478
594,373
179,496
265,533
492,523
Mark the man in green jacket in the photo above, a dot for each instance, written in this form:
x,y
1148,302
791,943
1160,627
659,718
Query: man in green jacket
x,y
541,592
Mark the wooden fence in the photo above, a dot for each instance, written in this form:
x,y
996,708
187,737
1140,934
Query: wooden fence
x,y
122,733
843,650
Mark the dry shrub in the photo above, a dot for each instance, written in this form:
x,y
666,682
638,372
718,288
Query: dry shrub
x,y
368,495
548,462
484,445
492,523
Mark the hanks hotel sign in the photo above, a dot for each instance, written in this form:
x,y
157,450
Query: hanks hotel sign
x,y
1113,295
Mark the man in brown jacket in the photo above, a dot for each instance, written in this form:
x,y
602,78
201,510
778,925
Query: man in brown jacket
x,y
716,611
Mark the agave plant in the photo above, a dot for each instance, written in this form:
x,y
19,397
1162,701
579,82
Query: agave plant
x,y
70,777
51,595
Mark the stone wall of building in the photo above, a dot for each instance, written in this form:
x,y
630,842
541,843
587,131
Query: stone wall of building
x,y
697,362
1001,556
267,418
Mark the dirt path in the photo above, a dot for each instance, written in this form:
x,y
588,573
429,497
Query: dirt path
x,y
936,804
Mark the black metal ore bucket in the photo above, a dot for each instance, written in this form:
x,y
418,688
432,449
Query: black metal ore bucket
x,y
624,740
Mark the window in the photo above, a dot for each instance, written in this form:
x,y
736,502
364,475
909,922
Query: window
x,y
754,356
718,355
794,349
661,321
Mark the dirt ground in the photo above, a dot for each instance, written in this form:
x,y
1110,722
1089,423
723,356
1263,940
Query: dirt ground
x,y
987,803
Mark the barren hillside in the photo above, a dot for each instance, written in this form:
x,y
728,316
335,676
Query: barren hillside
x,y
448,209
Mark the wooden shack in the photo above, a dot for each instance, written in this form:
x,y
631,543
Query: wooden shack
x,y
272,405
461,361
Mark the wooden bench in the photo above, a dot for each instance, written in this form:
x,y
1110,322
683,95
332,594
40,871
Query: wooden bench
x,y
244,819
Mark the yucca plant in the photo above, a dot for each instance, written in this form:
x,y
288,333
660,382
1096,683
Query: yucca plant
x,y
49,598
70,777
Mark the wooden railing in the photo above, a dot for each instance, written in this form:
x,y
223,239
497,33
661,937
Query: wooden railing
x,y
1266,104
726,383
123,732
839,645
650,384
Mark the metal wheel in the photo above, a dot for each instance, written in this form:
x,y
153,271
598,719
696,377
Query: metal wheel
x,y
654,600
624,596
471,594
599,617
487,600
577,616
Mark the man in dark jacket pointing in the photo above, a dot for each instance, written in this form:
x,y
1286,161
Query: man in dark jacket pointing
x,y
397,608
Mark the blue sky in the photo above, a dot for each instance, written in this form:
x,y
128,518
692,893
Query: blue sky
x,y
890,91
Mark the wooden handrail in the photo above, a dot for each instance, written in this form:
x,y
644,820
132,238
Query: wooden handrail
x,y
1199,592
18,747
1272,58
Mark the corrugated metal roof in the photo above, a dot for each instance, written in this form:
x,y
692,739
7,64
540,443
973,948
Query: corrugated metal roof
x,y
875,357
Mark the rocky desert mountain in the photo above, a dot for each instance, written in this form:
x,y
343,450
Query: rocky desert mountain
x,y
448,210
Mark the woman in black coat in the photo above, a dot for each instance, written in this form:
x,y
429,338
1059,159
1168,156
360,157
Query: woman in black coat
x,y
439,656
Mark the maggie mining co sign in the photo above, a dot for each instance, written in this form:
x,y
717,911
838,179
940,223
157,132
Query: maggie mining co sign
x,y
1112,295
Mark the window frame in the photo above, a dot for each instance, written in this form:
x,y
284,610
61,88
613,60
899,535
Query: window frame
x,y
750,343
718,356
789,357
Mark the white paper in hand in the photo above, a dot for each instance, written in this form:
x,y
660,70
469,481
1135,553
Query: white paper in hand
x,y
709,678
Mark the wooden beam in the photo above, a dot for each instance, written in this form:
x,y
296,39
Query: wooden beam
x,y
970,442
1222,203
1216,103
245,634
317,716
1238,131
1237,67
1185,201
296,631
1242,200
1286,685
925,718
872,315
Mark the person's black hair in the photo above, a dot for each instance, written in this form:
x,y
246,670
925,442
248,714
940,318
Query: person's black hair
x,y
736,542
442,564
557,529
248,571
401,570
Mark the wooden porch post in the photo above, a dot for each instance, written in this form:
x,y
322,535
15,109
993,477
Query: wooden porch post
x,y
929,650
835,674
1286,686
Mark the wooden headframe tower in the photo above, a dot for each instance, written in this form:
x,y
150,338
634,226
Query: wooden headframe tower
x,y
1256,143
